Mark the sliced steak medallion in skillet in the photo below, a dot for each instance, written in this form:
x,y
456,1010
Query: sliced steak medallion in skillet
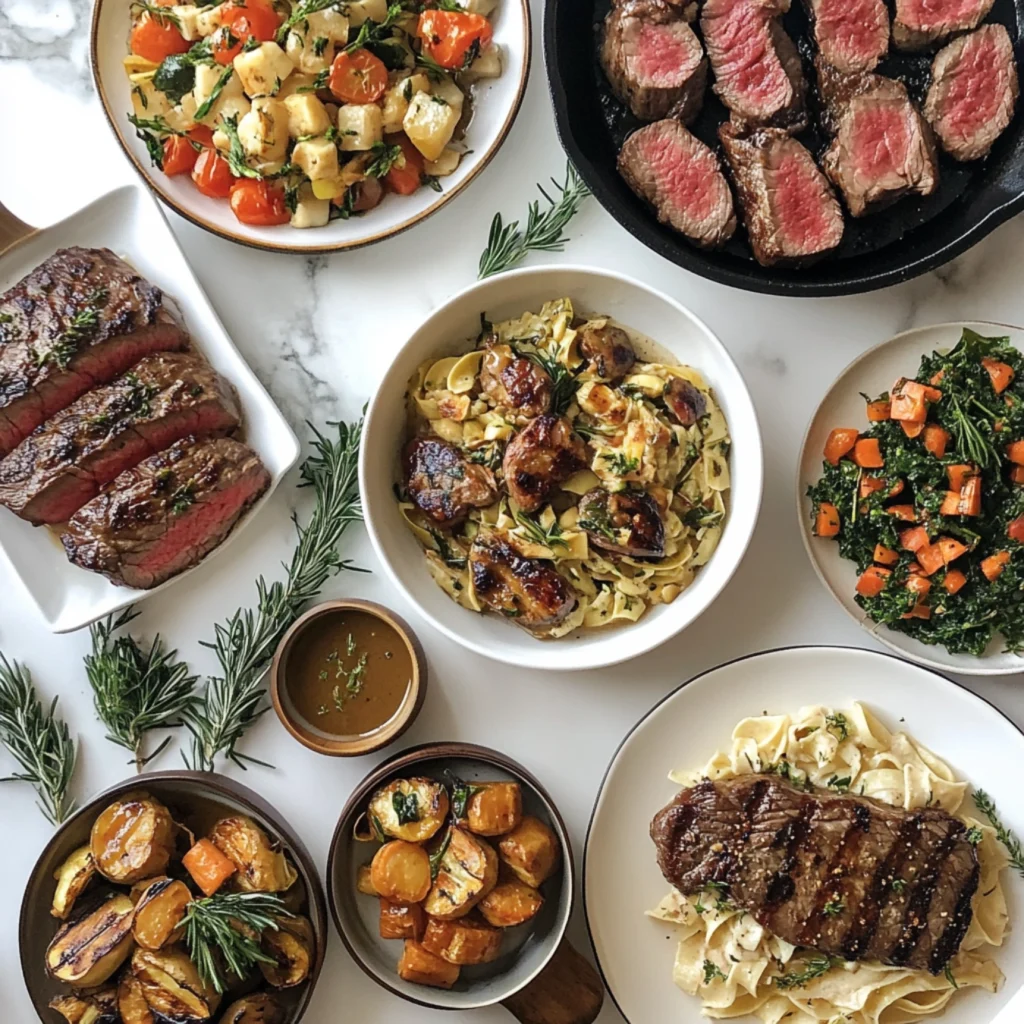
x,y
67,460
654,61
852,35
757,69
973,92
682,179
919,24
80,319
789,209
785,855
167,513
882,148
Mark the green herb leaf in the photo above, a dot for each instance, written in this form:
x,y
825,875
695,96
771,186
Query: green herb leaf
x,y
712,972
407,807
1011,843
812,968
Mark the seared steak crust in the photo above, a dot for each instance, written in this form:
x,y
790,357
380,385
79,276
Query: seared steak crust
x,y
80,319
919,24
443,483
842,874
543,454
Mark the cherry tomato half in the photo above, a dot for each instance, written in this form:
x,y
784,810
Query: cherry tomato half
x,y
358,77
254,201
201,134
179,156
250,19
406,174
448,36
212,175
154,38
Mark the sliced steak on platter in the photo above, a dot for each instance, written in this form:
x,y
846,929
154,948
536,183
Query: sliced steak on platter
x,y
973,92
682,179
164,515
789,209
66,461
920,24
80,319
757,69
653,59
882,148
852,35
845,875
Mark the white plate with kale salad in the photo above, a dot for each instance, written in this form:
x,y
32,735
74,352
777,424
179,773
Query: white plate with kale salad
x,y
911,495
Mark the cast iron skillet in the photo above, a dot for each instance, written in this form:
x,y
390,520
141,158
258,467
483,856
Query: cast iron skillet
x,y
908,239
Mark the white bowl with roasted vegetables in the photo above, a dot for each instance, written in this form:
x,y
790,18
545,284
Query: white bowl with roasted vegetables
x,y
310,125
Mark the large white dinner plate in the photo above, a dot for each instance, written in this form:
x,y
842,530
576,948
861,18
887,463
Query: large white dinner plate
x,y
130,223
843,406
620,876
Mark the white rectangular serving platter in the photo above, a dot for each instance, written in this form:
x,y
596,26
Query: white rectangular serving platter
x,y
129,222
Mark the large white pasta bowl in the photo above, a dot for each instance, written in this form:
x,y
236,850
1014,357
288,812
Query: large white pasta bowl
x,y
452,328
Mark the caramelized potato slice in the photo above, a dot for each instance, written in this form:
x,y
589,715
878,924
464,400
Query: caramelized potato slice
x,y
131,1002
468,871
96,1007
401,922
466,941
494,808
262,866
258,1008
159,912
420,967
132,839
531,850
400,872
364,883
86,952
409,809
510,903
72,877
170,984
291,946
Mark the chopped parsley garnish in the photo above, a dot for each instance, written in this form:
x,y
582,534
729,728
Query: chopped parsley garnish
x,y
82,325
833,907
712,972
838,725
619,464
548,537
384,157
183,498
813,968
218,87
974,836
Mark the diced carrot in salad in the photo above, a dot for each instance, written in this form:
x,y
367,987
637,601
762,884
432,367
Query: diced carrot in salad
x,y
878,410
872,581
936,439
826,522
994,565
885,556
840,442
954,581
1000,373
867,453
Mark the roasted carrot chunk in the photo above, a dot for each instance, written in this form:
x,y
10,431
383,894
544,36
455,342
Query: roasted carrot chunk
x,y
869,485
897,488
1017,475
912,428
1015,453
867,453
1001,374
209,868
951,504
919,611
904,512
878,410
885,556
959,474
826,522
950,549
919,585
872,581
936,439
914,539
840,442
954,581
910,400
970,497
930,558
994,564
937,377
1015,531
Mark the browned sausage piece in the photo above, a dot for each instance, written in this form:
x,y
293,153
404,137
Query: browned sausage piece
x,y
543,454
608,351
514,382
686,402
444,484
626,523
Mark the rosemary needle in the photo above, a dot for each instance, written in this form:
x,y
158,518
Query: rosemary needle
x,y
987,806
38,740
507,246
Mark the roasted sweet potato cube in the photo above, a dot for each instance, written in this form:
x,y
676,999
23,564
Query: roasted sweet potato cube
x,y
510,903
495,808
466,941
401,922
531,850
421,967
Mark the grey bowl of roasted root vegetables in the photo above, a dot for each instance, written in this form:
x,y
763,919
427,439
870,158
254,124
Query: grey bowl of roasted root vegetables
x,y
450,880
176,897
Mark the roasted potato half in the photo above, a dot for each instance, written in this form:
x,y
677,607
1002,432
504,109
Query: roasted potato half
x,y
133,839
401,922
421,967
364,881
468,871
262,867
291,946
131,1003
409,809
258,1008
493,808
170,985
465,941
510,903
531,850
99,1007
72,877
159,912
86,952
400,872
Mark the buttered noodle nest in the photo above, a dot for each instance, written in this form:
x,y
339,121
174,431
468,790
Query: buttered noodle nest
x,y
633,443
824,747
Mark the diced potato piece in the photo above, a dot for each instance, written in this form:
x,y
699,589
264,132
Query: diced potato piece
x,y
446,89
401,922
468,872
147,100
411,809
183,116
230,101
469,941
531,850
421,967
364,883
263,132
311,43
510,903
487,65
430,123
318,158
209,19
188,20
366,10
296,84
483,7
306,115
360,125
494,808
263,69
400,872
395,104
311,212
447,163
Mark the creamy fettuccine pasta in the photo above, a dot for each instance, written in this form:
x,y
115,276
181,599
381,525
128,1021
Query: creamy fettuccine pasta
x,y
738,968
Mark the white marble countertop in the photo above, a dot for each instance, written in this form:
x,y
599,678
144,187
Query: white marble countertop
x,y
320,332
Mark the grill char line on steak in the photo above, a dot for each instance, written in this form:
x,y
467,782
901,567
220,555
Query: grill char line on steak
x,y
818,869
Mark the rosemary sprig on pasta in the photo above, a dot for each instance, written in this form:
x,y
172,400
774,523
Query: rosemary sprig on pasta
x,y
1015,851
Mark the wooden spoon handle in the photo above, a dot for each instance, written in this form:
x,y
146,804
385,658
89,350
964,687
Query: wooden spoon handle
x,y
12,229
567,991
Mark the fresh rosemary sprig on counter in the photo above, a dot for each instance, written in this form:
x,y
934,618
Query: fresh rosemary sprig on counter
x,y
507,246
136,690
1015,851
218,929
38,740
245,643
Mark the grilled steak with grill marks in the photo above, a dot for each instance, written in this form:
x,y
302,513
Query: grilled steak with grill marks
x,y
443,483
842,874
80,319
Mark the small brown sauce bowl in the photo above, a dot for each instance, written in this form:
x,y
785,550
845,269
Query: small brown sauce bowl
x,y
342,666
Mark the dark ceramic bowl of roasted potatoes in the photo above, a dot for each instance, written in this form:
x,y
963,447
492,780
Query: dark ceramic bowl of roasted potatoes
x,y
131,914
450,880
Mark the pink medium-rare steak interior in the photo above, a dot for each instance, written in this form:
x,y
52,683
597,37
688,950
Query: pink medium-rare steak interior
x,y
973,92
665,54
682,179
921,23
852,35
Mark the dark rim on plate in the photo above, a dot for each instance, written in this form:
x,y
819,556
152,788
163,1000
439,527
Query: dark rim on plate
x,y
429,752
700,675
314,250
217,787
